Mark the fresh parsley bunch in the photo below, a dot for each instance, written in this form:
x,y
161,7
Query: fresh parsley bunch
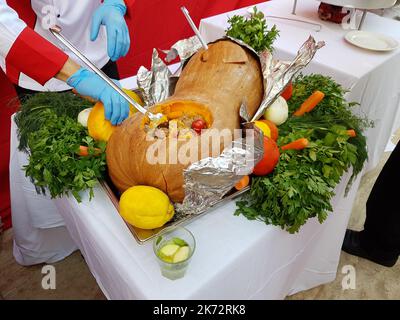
x,y
302,185
54,160
332,110
33,111
253,31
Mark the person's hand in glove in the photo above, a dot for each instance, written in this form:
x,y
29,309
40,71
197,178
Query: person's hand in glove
x,y
111,14
87,83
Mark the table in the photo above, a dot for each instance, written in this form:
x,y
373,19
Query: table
x,y
371,77
235,258
363,5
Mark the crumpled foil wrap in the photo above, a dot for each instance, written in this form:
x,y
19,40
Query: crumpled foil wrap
x,y
183,49
242,43
209,180
155,83
243,112
158,83
277,74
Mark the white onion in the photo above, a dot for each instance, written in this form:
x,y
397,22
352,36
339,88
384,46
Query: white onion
x,y
84,116
278,112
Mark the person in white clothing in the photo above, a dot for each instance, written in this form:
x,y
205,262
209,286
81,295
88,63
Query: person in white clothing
x,y
34,63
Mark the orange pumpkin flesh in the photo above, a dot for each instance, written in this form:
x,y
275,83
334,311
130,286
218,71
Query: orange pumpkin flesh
x,y
213,85
176,109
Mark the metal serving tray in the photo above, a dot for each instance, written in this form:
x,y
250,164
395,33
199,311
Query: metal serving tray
x,y
142,236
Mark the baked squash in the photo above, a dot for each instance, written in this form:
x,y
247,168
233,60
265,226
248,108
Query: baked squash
x,y
211,89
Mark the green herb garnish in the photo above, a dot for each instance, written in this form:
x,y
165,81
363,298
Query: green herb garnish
x,y
302,185
50,134
31,115
54,161
253,31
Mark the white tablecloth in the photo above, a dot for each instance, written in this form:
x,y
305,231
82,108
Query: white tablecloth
x,y
235,258
372,77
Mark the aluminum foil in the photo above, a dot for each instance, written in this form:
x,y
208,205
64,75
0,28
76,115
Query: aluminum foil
x,y
154,83
157,84
183,49
243,112
278,74
242,43
209,180
144,82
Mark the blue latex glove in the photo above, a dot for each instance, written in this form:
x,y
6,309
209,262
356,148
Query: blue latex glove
x,y
87,83
111,14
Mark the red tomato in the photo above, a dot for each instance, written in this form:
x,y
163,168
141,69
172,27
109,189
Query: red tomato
x,y
270,160
287,93
199,125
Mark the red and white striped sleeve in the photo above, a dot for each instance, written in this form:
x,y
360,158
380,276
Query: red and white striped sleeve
x,y
22,50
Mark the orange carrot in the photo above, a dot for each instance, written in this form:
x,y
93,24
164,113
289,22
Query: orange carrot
x,y
299,144
310,103
84,151
242,183
351,133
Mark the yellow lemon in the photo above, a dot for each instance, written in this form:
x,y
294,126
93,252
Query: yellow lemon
x,y
264,128
146,207
99,127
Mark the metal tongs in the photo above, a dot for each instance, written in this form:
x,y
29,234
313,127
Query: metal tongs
x,y
56,31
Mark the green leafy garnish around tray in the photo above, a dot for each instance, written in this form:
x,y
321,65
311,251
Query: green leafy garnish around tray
x,y
302,185
30,117
253,31
50,134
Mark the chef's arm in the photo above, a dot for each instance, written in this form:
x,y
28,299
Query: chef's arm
x,y
68,70
22,50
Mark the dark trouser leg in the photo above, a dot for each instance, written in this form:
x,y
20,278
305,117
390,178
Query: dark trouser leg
x,y
110,69
381,235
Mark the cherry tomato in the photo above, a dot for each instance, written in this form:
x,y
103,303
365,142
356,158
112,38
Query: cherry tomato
x,y
198,125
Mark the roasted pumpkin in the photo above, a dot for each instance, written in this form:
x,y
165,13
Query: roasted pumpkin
x,y
211,88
